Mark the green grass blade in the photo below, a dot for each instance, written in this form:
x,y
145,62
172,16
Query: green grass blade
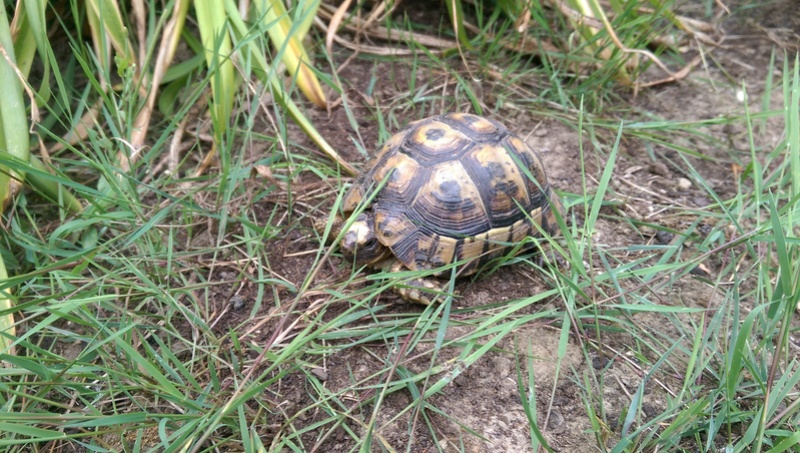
x,y
456,13
286,37
212,23
14,137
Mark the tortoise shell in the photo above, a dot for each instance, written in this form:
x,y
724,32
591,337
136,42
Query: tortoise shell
x,y
455,187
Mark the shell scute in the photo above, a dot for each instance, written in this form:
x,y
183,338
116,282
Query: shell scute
x,y
404,177
505,190
434,251
449,204
432,141
535,179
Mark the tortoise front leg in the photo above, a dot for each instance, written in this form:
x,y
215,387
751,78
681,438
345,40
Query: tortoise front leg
x,y
425,291
320,224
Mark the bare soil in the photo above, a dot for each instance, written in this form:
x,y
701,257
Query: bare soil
x,y
650,185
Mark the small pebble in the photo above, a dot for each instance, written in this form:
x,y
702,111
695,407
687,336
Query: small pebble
x,y
650,410
647,231
613,421
502,367
557,423
321,374
684,184
238,302
659,168
599,362
701,201
700,270
664,237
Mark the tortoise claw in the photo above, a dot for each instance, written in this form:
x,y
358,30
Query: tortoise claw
x,y
421,290
425,291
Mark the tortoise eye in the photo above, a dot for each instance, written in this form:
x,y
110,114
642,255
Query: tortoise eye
x,y
370,243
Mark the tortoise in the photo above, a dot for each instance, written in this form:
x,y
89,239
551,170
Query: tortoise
x,y
454,188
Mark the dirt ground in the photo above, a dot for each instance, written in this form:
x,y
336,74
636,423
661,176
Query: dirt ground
x,y
485,397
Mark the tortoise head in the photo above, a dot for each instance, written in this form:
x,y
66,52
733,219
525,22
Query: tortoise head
x,y
361,243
